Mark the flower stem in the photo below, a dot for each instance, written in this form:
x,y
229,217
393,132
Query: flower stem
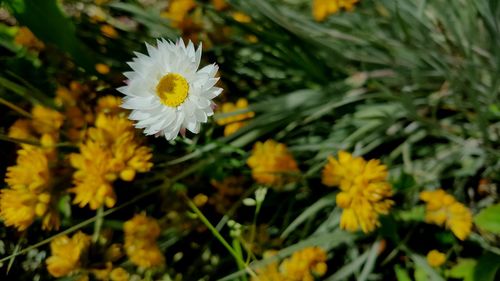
x,y
218,236
18,141
98,224
15,108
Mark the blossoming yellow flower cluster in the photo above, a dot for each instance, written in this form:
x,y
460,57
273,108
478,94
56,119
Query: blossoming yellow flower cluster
x,y
77,114
443,209
45,121
235,122
271,163
324,8
219,5
71,256
67,254
30,179
177,10
436,258
28,195
30,182
364,193
141,233
109,31
26,38
228,191
303,265
111,151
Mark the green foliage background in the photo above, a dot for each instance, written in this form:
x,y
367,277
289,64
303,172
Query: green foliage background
x,y
415,83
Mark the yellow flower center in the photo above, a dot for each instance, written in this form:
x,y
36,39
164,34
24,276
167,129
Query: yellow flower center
x,y
172,89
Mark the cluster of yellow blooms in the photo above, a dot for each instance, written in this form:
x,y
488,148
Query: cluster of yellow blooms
x,y
111,151
323,8
436,258
177,10
228,191
303,265
443,209
70,255
67,254
235,122
192,22
141,233
30,181
364,190
29,194
26,38
272,164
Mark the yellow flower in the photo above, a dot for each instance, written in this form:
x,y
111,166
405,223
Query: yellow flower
x,y
365,193
323,8
220,5
93,178
435,258
108,128
109,31
102,68
119,274
269,273
142,227
17,207
67,254
46,120
141,233
271,162
109,105
117,134
129,157
27,39
200,200
21,129
228,192
102,272
235,122
110,152
241,17
76,122
31,171
443,209
28,195
177,11
64,97
303,265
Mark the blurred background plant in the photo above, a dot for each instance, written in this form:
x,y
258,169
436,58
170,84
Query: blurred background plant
x,y
355,140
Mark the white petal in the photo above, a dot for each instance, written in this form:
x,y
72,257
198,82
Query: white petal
x,y
138,103
140,92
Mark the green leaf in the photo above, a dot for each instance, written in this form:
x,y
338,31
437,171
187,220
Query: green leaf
x,y
421,263
401,273
309,213
416,213
420,274
64,205
48,23
370,262
489,219
464,269
487,267
350,268
326,241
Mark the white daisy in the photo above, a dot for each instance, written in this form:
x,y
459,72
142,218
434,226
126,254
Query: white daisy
x,y
166,92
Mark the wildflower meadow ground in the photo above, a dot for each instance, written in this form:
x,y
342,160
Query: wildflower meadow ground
x,y
250,140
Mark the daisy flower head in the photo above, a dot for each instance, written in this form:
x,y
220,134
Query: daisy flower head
x,y
166,91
